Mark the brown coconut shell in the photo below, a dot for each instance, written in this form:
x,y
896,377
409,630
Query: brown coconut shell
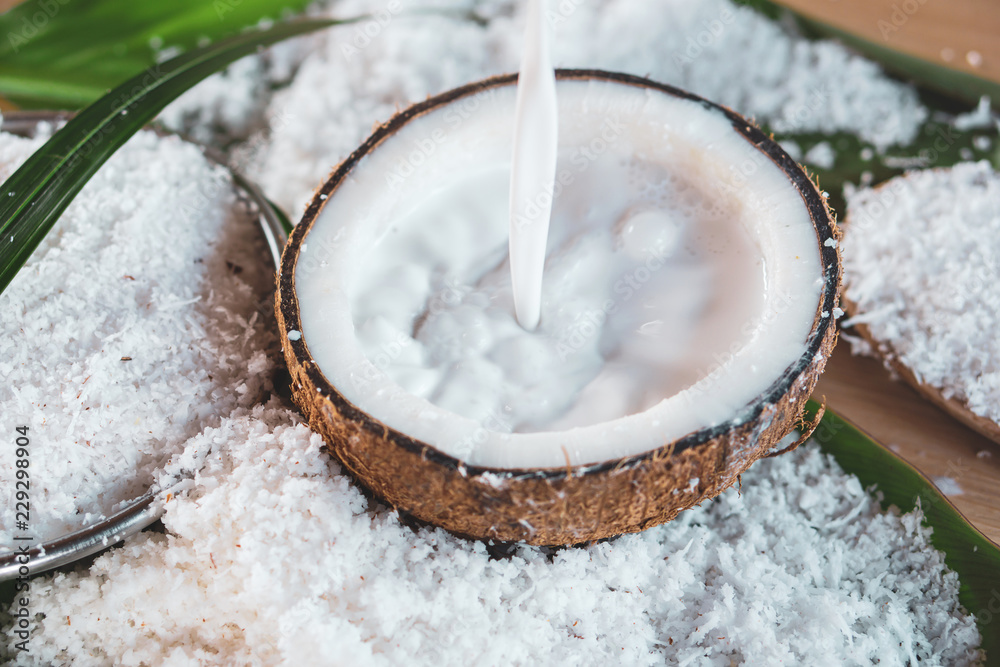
x,y
563,505
890,359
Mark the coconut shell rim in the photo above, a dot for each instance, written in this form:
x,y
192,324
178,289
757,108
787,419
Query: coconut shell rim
x,y
886,353
824,225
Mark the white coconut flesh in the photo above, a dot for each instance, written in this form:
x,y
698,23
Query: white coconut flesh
x,y
683,277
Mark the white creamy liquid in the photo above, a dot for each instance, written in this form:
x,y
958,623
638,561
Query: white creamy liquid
x,y
647,277
533,170
681,280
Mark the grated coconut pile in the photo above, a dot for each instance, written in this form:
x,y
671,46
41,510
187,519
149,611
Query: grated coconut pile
x,y
271,555
131,329
748,63
922,262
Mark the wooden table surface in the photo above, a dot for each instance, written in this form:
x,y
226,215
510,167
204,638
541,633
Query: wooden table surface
x,y
860,389
965,35
961,34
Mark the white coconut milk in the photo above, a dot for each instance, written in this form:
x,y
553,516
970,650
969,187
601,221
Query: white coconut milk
x,y
682,277
533,168
648,279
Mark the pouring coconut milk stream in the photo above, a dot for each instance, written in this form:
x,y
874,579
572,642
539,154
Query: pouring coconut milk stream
x,y
668,280
652,249
533,168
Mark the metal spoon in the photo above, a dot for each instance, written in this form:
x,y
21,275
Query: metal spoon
x,y
142,511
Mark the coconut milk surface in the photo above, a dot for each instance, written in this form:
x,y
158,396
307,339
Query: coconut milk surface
x,y
682,277
648,283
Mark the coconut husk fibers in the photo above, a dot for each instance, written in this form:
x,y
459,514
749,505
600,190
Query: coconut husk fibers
x,y
887,355
564,505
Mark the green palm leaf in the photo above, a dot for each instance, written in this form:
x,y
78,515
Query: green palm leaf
x,y
62,54
938,145
967,551
34,197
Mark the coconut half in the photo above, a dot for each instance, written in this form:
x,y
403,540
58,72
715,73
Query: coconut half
x,y
956,408
591,480
900,214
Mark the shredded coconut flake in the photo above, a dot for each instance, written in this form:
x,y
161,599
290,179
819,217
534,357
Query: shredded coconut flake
x,y
948,486
922,263
979,118
821,155
793,84
274,557
133,327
